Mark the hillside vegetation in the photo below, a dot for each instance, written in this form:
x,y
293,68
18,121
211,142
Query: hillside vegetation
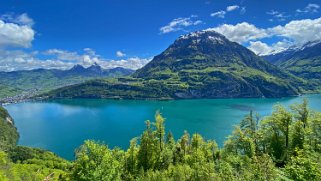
x,y
202,64
285,145
304,62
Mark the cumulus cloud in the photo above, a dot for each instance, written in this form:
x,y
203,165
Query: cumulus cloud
x,y
120,54
15,35
11,60
220,14
21,19
241,32
63,55
300,31
232,8
296,32
20,60
259,47
131,63
310,8
180,24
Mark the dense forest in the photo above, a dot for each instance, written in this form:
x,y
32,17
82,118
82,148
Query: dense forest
x,y
285,145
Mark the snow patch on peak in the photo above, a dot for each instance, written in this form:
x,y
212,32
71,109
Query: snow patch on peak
x,y
203,34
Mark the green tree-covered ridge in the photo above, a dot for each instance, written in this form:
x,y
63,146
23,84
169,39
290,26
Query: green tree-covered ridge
x,y
304,61
202,64
285,145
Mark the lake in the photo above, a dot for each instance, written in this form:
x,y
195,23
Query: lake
x,y
62,125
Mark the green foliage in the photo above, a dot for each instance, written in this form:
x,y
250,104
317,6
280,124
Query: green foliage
x,y
96,162
8,132
41,166
304,165
282,146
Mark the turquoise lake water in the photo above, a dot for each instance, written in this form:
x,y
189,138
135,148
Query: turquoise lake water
x,y
62,125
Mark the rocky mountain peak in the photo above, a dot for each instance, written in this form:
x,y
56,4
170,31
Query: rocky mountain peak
x,y
204,36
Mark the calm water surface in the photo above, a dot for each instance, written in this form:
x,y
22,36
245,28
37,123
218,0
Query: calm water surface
x,y
62,125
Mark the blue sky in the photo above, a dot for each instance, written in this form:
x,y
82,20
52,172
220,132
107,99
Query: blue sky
x,y
60,33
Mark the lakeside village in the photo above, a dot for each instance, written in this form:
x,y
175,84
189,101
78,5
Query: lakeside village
x,y
22,97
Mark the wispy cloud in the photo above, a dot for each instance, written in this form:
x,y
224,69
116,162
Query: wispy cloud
x,y
276,15
180,24
310,8
222,13
243,10
120,54
232,8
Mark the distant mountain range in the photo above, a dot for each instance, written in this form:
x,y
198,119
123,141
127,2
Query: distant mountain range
x,y
202,64
302,61
41,80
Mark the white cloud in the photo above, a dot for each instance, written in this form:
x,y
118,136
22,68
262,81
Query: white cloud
x,y
296,32
220,14
63,55
180,24
259,47
15,35
11,60
22,19
242,32
232,8
310,8
279,16
131,63
120,54
299,31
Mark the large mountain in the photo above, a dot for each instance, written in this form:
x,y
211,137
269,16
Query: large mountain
x,y
303,61
213,66
202,64
16,82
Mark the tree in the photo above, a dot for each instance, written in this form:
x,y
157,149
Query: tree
x,y
277,133
131,157
313,133
160,130
170,141
147,147
95,162
184,143
301,112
